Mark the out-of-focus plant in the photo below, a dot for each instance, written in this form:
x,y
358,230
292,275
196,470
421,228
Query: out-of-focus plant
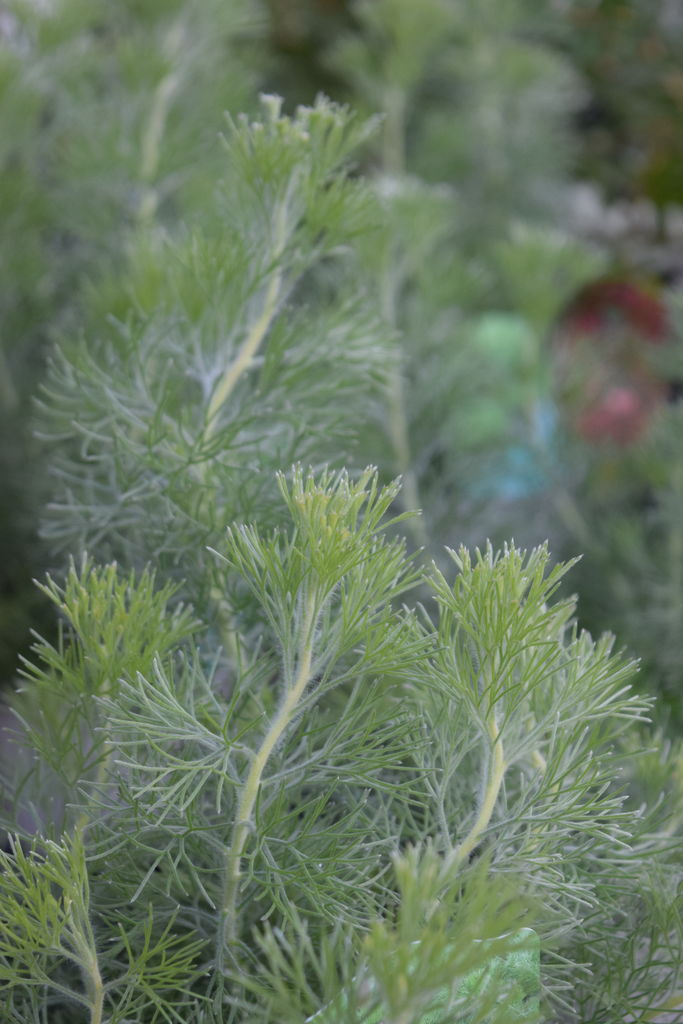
x,y
629,53
109,121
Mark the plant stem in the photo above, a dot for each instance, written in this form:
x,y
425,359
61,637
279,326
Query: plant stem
x,y
393,136
156,124
250,790
393,162
494,780
674,1002
97,1004
99,778
675,604
151,144
86,957
257,331
80,931
398,432
398,421
228,631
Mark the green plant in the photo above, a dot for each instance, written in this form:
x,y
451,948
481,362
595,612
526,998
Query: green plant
x,y
475,269
232,818
627,518
110,116
276,762
474,261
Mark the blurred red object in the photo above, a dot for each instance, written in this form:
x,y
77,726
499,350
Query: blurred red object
x,y
614,302
620,415
607,383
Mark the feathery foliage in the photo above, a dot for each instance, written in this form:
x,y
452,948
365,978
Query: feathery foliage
x,y
278,765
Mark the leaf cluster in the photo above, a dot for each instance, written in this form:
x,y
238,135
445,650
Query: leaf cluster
x,y
311,792
177,416
271,806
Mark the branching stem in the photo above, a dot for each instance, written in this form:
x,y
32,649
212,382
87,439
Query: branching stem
x,y
250,790
86,957
257,331
156,125
674,1002
97,1004
494,780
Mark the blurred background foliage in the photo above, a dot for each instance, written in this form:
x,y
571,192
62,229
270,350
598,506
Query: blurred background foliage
x,y
526,261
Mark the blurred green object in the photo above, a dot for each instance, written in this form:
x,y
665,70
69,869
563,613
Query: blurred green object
x,y
505,339
517,975
110,114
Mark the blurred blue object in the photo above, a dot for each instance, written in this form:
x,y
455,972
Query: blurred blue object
x,y
520,470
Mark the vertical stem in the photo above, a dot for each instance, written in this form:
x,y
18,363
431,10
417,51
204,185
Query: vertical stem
x,y
494,780
228,631
154,131
675,602
258,329
393,162
245,808
97,987
83,941
151,143
393,138
398,421
400,441
256,334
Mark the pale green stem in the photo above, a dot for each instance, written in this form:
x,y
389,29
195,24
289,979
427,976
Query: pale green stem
x,y
443,820
398,421
494,781
539,761
257,331
97,994
393,161
400,442
100,775
676,562
84,938
151,142
86,954
674,1002
229,634
393,137
250,790
398,432
255,336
